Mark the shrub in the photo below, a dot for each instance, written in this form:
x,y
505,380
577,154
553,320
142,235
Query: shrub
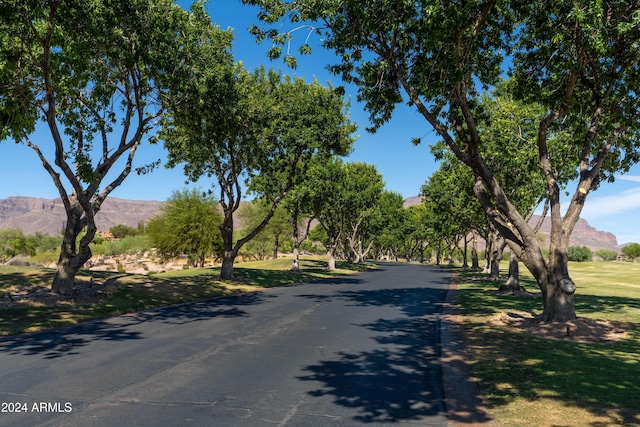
x,y
632,250
607,254
579,253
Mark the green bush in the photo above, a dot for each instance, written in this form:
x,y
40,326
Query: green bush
x,y
632,250
607,254
579,253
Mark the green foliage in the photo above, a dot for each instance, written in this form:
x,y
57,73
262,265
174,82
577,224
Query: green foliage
x,y
120,231
188,224
272,235
579,253
532,384
12,242
128,245
632,250
96,73
607,254
230,124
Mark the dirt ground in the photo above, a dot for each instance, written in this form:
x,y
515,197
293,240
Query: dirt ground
x,y
582,329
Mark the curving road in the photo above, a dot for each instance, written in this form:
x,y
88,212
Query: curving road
x,y
352,351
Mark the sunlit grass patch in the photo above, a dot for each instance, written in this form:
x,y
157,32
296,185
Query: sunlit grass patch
x,y
529,380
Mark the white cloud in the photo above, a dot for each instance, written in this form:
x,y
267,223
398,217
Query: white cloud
x,y
611,205
634,178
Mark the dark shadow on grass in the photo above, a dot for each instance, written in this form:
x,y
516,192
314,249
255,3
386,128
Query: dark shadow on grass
x,y
600,378
68,340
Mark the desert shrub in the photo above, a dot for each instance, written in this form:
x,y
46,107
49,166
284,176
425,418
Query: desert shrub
x,y
632,250
126,246
579,253
607,254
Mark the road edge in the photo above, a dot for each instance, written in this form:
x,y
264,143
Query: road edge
x,y
463,403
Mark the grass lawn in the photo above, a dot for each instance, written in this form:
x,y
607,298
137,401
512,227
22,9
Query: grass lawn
x,y
127,293
534,381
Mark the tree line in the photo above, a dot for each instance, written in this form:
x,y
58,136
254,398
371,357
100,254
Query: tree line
x,y
529,100
575,62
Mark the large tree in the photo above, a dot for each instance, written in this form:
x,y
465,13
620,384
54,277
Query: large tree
x,y
95,73
343,207
579,59
261,133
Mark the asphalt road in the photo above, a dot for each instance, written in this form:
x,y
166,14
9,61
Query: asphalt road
x,y
344,352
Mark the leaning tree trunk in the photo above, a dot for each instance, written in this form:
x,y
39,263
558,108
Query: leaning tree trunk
x,y
72,258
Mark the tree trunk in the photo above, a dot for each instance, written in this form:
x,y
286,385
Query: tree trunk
x,y
229,255
72,258
296,240
276,247
496,257
475,265
558,300
295,266
465,261
331,263
513,281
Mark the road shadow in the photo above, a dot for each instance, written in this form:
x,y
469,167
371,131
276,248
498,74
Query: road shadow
x,y
68,340
386,385
400,380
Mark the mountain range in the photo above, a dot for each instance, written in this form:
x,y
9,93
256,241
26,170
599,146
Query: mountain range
x,y
33,215
583,233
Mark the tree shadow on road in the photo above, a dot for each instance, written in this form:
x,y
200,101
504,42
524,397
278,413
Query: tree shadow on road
x,y
68,340
399,380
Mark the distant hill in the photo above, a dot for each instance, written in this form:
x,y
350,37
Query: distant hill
x,y
32,214
583,233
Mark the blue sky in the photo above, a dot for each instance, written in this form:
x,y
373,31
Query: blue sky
x,y
405,167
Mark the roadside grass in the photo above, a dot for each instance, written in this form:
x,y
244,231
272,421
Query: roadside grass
x,y
126,293
527,380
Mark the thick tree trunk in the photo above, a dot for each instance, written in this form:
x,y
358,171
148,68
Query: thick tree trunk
x,y
72,258
229,254
496,257
558,300
226,271
331,263
513,281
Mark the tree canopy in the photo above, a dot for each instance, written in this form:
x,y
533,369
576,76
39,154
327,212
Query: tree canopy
x,y
96,74
439,56
262,132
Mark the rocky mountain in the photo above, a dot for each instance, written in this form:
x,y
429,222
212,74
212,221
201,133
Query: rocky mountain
x,y
583,233
32,214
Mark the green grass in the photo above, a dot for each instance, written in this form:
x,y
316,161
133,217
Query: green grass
x,y
528,380
127,293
